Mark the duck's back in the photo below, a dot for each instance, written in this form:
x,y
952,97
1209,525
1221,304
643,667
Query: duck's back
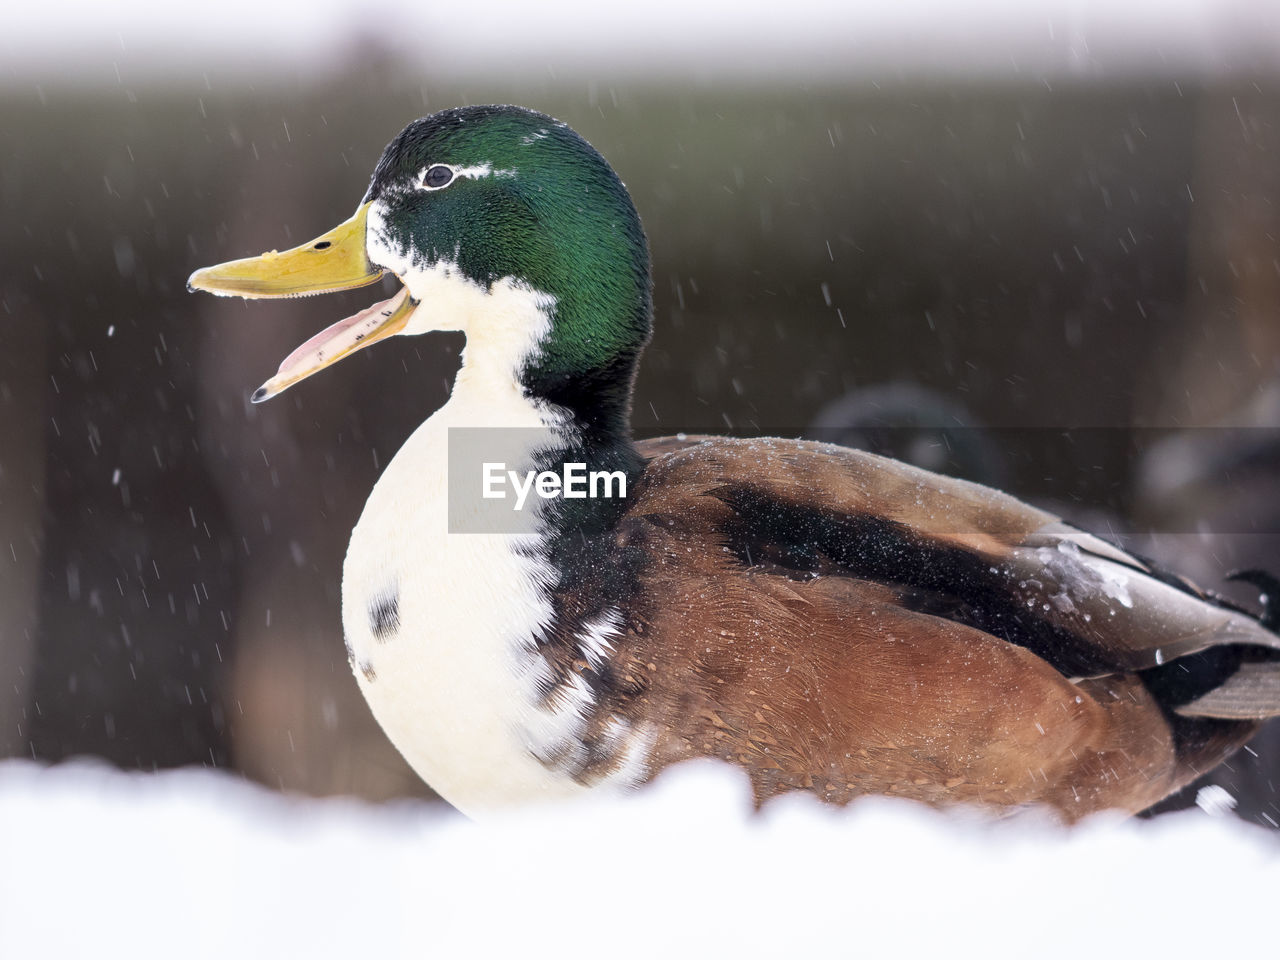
x,y
842,623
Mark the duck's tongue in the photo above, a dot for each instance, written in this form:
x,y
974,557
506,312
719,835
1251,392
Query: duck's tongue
x,y
382,320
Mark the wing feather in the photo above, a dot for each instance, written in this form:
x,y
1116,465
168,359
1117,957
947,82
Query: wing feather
x,y
985,558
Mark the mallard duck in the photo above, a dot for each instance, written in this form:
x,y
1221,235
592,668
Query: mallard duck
x,y
826,619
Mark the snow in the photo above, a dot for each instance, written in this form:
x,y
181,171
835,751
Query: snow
x,y
200,864
1215,800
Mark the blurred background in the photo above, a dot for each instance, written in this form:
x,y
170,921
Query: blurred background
x,y
1031,244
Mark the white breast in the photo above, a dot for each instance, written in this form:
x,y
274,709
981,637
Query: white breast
x,y
441,626
448,683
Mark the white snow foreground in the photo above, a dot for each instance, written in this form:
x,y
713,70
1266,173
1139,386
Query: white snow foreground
x,y
199,864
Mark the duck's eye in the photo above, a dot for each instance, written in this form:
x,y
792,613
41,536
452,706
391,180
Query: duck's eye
x,y
437,177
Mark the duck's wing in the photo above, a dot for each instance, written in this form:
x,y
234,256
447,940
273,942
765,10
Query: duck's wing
x,y
952,549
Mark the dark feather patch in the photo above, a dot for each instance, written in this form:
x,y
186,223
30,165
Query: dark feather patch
x,y
384,615
938,578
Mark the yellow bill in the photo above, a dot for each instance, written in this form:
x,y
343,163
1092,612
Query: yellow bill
x,y
336,260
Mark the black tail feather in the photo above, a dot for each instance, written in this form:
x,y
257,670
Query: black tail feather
x,y
1252,692
1229,682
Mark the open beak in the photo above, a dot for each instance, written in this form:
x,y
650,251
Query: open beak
x,y
337,260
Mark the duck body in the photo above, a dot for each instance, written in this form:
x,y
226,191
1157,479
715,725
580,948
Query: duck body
x,y
827,619
835,660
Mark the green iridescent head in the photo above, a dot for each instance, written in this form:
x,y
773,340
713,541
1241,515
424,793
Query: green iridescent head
x,y
506,194
473,209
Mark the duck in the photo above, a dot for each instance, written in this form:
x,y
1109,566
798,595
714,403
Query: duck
x,y
825,619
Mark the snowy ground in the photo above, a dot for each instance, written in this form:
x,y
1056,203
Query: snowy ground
x,y
195,864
